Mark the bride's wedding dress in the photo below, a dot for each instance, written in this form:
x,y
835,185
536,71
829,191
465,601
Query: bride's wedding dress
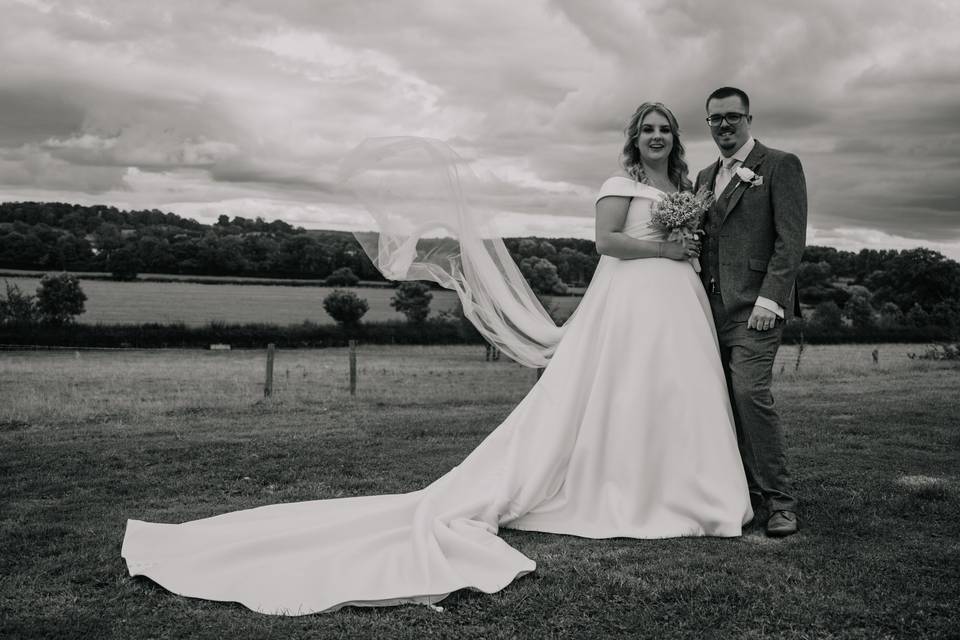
x,y
628,433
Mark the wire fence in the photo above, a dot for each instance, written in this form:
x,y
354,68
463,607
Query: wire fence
x,y
492,354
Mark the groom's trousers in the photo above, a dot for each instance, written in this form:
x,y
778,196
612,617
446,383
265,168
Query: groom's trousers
x,y
747,356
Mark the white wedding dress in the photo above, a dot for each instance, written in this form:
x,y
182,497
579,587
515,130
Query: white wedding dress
x,y
628,433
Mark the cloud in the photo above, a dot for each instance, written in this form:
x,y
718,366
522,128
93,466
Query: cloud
x,y
857,238
204,107
31,114
31,166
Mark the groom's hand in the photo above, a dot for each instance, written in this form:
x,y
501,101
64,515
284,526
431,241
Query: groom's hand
x,y
761,319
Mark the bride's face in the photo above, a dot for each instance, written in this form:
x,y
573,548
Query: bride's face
x,y
655,137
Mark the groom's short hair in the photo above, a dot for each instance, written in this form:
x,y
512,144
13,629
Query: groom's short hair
x,y
728,92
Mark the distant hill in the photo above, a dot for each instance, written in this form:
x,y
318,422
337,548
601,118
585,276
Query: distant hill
x,y
99,238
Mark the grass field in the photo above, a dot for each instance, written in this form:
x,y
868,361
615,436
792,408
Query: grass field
x,y
195,304
90,439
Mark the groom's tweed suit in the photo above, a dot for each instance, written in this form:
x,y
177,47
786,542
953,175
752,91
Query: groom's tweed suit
x,y
754,243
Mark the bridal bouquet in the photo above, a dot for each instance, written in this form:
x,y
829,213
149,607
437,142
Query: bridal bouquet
x,y
681,215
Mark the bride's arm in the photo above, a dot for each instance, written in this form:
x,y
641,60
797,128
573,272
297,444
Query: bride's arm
x,y
611,241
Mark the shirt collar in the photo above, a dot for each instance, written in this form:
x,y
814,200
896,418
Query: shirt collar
x,y
742,153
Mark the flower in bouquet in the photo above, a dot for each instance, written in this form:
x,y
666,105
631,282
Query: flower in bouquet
x,y
681,214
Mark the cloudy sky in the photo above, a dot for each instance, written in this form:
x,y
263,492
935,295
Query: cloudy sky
x,y
246,108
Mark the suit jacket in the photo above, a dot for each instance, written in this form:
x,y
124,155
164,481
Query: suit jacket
x,y
756,234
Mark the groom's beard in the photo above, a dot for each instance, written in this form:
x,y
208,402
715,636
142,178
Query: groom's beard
x,y
730,143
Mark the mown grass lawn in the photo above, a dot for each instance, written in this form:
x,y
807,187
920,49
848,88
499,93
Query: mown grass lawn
x,y
88,440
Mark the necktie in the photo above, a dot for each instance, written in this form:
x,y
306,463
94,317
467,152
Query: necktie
x,y
725,174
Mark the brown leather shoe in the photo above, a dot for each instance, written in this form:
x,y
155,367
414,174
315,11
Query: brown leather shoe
x,y
781,524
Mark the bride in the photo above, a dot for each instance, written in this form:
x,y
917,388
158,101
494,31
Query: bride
x,y
628,433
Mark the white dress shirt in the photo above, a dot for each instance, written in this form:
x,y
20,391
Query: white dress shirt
x,y
728,168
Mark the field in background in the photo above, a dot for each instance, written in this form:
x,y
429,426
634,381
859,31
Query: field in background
x,y
90,439
196,304
27,273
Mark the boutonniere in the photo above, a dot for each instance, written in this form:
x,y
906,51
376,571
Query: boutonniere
x,y
747,175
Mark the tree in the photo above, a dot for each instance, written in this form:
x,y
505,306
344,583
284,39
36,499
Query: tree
x,y
345,307
827,315
575,266
17,306
412,299
546,250
815,282
154,254
917,276
869,261
124,263
220,255
71,252
891,315
860,312
22,249
60,298
814,274
342,277
542,276
842,263
108,237
917,316
946,313
527,248
861,291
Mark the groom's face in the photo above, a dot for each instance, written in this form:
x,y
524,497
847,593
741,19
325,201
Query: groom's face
x,y
729,137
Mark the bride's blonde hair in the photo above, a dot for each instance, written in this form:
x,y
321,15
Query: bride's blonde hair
x,y
677,169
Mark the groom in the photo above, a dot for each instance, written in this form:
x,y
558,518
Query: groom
x,y
755,234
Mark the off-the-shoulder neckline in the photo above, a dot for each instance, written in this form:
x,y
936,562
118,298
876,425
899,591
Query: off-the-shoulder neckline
x,y
641,183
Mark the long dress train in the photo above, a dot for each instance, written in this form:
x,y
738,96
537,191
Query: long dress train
x,y
628,433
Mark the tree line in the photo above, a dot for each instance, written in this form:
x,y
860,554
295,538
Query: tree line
x,y
866,289
71,237
883,289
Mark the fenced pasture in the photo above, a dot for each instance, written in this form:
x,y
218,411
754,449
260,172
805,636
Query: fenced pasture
x,y
194,304
88,439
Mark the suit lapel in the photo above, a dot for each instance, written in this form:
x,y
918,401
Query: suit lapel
x,y
728,190
710,182
733,197
712,175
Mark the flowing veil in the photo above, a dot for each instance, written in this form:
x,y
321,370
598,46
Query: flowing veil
x,y
431,226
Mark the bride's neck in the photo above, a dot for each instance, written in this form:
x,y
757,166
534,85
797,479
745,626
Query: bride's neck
x,y
657,170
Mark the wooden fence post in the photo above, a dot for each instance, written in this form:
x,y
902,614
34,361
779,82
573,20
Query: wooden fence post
x,y
268,385
796,367
353,367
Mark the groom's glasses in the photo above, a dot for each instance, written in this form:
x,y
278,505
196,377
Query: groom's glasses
x,y
733,118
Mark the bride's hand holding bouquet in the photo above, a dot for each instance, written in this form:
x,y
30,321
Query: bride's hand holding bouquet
x,y
677,249
681,215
